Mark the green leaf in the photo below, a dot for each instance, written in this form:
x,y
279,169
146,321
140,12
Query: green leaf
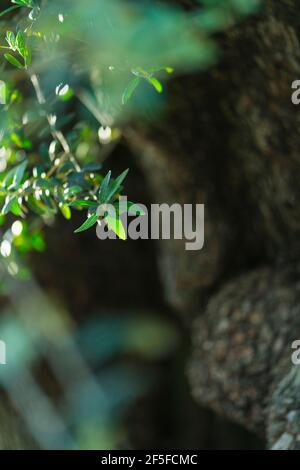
x,y
49,202
72,190
20,42
90,221
8,178
130,89
83,203
42,183
115,186
66,167
10,205
18,174
103,187
116,225
9,10
20,140
156,84
22,47
36,206
13,61
11,40
23,3
14,174
66,211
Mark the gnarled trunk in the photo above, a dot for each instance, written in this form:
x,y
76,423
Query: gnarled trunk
x,y
230,139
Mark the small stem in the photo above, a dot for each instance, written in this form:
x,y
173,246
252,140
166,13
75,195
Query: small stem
x,y
56,134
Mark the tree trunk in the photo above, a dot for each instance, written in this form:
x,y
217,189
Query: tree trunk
x,y
229,138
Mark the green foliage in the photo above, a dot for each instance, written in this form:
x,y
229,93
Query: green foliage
x,y
104,61
18,44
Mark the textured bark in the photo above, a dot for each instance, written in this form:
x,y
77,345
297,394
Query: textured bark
x,y
230,139
241,363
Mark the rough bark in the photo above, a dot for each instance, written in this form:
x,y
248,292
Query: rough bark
x,y
230,139
241,363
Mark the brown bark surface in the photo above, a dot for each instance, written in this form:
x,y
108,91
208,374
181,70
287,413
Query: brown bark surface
x,y
230,139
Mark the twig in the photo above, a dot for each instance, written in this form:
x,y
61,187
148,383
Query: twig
x,y
56,134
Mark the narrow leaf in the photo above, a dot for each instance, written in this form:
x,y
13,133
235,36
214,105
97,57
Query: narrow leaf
x,y
130,89
156,84
18,174
103,187
115,186
83,203
66,211
9,9
90,221
9,204
13,61
116,226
